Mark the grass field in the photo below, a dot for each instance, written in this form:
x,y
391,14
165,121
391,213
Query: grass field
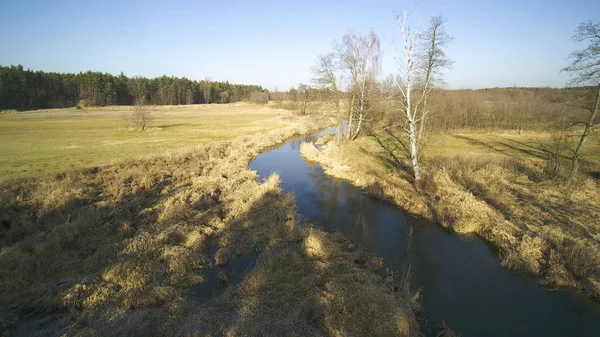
x,y
37,142
523,145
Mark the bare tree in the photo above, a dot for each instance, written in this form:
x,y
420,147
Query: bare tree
x,y
408,108
423,58
360,55
585,65
141,115
325,75
303,97
350,70
434,39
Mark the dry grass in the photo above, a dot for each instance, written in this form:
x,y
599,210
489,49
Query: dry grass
x,y
316,288
49,141
114,250
496,186
374,177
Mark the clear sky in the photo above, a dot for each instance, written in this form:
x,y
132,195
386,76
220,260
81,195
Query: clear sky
x,y
273,43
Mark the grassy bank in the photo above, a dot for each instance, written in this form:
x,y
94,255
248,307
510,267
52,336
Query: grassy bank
x,y
496,186
137,247
37,142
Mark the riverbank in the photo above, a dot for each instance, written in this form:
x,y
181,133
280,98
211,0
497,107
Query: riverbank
x,y
539,227
137,247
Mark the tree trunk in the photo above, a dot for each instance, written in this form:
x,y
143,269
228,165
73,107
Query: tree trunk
x,y
414,158
350,117
361,112
340,121
359,123
410,117
423,116
586,133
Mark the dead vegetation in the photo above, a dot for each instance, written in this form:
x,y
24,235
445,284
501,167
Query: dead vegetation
x,y
540,226
318,279
115,250
381,181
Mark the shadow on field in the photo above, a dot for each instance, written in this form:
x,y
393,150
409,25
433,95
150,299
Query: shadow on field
x,y
170,126
185,245
503,147
390,158
540,150
106,248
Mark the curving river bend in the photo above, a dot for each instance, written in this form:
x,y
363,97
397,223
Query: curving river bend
x,y
461,279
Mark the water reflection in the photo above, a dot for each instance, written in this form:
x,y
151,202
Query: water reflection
x,y
461,279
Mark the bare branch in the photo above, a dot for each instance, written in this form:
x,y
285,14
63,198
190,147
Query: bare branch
x,y
585,64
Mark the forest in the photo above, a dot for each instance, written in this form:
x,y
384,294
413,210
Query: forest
x,y
22,89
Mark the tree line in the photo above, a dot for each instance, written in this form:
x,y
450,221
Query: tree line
x,y
24,89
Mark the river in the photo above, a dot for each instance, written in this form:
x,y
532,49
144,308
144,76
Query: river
x,y
460,278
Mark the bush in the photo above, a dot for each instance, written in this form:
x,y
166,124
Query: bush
x,y
259,97
141,116
82,104
556,155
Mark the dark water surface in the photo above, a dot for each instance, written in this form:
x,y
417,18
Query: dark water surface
x,y
461,279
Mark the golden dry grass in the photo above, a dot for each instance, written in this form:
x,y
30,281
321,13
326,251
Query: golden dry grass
x,y
319,281
493,185
113,251
350,163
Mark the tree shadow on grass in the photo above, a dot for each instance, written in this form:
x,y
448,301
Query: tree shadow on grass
x,y
47,253
107,246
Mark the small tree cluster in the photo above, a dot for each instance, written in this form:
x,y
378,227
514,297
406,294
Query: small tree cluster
x,y
349,74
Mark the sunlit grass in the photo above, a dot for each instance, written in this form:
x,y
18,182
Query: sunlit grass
x,y
526,145
37,142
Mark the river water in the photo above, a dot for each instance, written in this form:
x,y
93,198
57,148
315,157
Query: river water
x,y
460,278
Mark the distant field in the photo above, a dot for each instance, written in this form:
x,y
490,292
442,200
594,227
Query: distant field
x,y
37,142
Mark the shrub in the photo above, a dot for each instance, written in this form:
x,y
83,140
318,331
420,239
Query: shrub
x,y
259,97
82,104
141,116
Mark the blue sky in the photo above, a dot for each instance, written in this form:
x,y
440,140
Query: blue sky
x,y
274,43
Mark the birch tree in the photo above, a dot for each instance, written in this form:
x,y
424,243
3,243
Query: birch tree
x,y
360,55
585,66
423,58
325,76
350,74
407,107
434,59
